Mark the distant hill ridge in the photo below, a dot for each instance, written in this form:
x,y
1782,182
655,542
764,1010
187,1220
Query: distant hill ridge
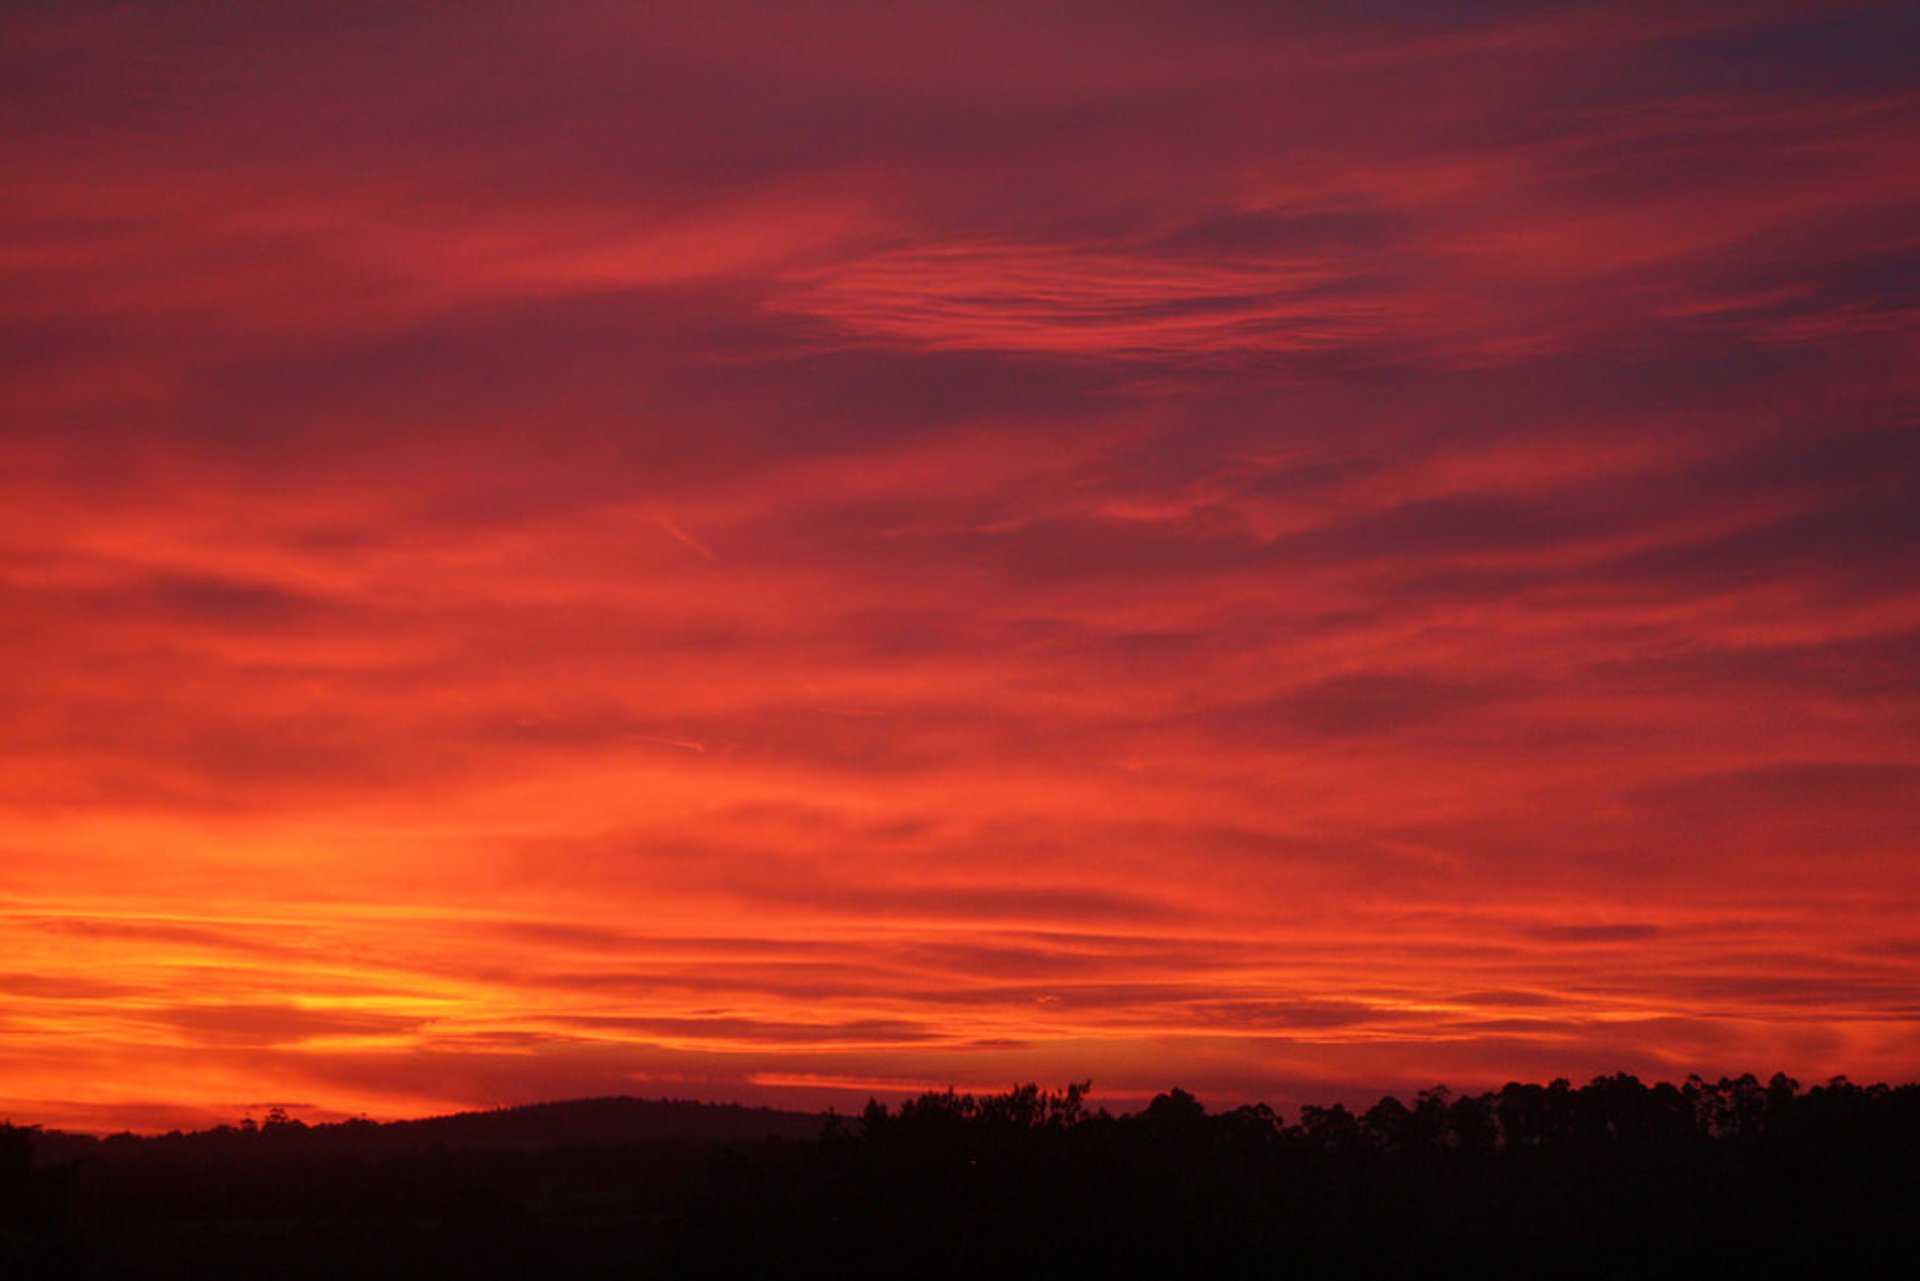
x,y
614,1119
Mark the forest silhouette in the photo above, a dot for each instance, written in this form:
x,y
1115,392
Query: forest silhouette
x,y
1612,1179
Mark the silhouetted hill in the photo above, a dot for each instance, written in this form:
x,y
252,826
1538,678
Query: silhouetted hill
x,y
473,1194
609,1121
600,1122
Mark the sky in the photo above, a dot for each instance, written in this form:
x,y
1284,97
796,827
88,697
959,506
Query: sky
x,y
791,553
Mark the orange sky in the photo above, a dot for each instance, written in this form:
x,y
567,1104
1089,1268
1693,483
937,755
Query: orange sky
x,y
779,554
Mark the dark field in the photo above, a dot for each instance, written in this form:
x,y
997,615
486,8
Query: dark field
x,y
1616,1178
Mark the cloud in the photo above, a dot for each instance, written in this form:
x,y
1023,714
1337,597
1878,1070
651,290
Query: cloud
x,y
269,1024
1075,300
549,552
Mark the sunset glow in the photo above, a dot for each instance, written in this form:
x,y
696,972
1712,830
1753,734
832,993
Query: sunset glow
x,y
792,553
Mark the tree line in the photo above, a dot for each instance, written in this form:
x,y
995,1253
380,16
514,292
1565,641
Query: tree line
x,y
1612,1179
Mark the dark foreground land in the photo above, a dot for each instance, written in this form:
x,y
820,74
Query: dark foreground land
x,y
1613,1179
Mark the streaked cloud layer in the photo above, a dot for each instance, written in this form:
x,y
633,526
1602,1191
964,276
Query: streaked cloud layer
x,y
778,554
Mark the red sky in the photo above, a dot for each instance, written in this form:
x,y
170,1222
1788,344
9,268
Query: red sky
x,y
781,553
